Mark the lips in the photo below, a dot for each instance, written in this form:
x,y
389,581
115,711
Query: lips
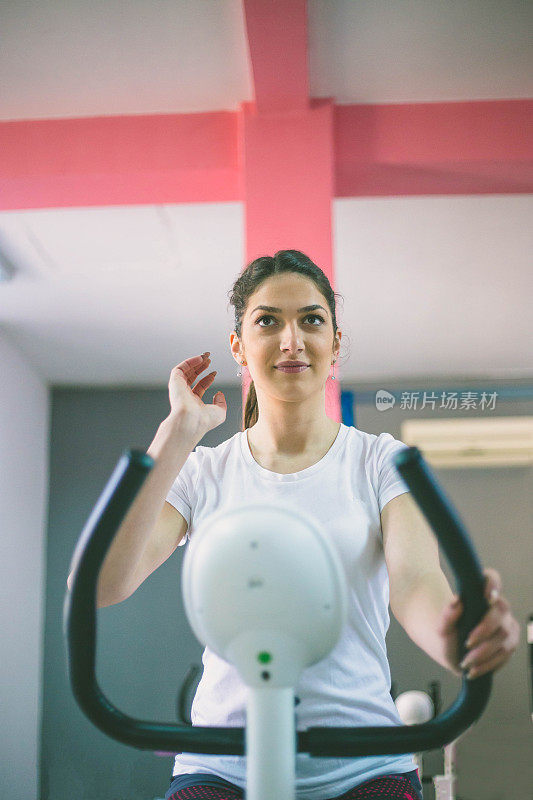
x,y
299,368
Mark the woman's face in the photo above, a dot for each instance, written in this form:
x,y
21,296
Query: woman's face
x,y
287,334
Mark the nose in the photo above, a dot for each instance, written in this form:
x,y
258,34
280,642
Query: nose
x,y
291,339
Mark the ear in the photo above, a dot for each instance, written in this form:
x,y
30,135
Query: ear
x,y
235,346
337,346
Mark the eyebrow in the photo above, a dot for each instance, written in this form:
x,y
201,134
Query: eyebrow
x,y
279,310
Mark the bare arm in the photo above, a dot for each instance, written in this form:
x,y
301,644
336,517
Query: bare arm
x,y
125,567
152,528
419,590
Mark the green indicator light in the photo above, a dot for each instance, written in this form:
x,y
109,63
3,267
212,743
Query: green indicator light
x,y
264,658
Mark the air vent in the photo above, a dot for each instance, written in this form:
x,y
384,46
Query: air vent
x,y
493,442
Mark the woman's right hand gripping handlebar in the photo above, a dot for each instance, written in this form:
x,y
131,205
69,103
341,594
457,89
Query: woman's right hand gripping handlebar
x,y
186,400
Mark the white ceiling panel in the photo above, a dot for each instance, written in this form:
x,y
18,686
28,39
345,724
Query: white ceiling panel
x,y
377,51
121,326
112,241
70,58
434,286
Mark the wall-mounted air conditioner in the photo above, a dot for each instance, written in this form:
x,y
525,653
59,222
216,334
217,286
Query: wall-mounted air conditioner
x,y
477,442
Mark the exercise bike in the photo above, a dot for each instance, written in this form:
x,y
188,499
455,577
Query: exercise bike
x,y
269,556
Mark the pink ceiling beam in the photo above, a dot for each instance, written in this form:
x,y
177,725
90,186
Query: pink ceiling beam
x,y
287,188
130,160
483,147
475,147
277,45
287,149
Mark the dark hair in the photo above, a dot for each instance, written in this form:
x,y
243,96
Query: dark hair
x,y
249,281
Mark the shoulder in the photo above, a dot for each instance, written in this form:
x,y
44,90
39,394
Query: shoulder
x,y
376,459
386,442
384,448
377,448
217,457
219,450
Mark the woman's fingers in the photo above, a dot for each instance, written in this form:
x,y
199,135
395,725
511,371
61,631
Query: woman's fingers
x,y
203,383
192,367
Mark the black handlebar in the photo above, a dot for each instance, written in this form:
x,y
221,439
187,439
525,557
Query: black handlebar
x,y
79,625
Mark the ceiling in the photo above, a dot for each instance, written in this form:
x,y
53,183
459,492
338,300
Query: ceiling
x,y
70,58
116,296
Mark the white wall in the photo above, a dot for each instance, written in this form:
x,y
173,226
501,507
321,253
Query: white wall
x,y
24,435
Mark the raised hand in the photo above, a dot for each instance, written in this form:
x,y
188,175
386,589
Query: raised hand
x,y
186,400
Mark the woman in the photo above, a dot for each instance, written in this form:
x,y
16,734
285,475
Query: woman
x,y
291,452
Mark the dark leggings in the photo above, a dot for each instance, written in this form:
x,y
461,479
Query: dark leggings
x,y
204,786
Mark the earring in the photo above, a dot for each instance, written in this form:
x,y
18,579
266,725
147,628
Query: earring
x,y
239,374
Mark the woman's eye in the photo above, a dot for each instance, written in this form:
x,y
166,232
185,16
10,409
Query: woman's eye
x,y
267,316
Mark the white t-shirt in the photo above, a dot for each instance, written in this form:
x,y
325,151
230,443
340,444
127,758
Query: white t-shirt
x,y
344,493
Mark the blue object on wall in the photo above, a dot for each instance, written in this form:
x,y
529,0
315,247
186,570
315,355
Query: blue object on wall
x,y
347,408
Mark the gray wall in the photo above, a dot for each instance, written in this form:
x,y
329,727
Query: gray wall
x,y
145,644
24,439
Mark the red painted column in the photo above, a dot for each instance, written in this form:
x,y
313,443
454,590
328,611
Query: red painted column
x,y
287,172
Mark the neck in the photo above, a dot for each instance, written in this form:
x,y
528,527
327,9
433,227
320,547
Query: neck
x,y
271,437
